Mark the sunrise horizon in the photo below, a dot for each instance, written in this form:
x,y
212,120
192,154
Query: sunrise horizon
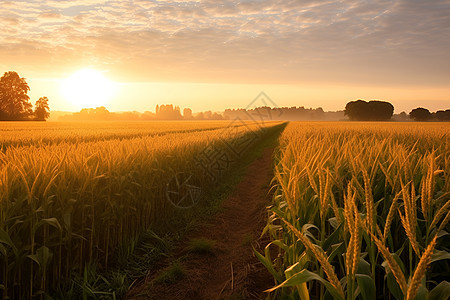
x,y
220,96
206,57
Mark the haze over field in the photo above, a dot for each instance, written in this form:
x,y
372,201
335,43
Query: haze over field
x,y
205,55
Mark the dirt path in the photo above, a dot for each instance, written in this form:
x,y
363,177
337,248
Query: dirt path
x,y
231,270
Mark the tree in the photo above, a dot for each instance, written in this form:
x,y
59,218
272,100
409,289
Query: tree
x,y
187,113
41,111
443,115
420,114
374,110
168,112
93,114
200,116
403,115
380,110
356,110
14,101
216,116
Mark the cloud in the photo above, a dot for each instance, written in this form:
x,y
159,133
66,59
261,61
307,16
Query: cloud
x,y
248,40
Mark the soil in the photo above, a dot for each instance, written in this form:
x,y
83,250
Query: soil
x,y
230,270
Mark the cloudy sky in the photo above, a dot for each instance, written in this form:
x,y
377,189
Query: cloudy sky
x,y
217,54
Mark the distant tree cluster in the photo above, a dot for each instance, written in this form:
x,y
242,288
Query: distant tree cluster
x,y
42,110
168,112
208,115
162,112
442,115
361,110
374,110
171,112
15,103
103,114
283,113
421,114
187,114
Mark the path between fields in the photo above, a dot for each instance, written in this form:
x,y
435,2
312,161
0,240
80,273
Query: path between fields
x,y
232,270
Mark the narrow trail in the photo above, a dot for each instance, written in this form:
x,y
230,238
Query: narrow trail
x,y
232,270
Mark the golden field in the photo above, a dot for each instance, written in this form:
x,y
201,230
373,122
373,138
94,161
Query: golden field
x,y
23,133
360,211
73,194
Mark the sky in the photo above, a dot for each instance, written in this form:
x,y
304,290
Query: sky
x,y
212,55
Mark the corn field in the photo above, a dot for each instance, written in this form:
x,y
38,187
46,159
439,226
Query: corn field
x,y
72,194
360,211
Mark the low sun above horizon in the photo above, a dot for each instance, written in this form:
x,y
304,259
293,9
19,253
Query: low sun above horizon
x,y
87,88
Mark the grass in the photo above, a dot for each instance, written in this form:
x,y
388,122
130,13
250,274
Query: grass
x,y
201,246
171,274
248,239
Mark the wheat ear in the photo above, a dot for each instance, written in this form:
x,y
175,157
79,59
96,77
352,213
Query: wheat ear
x,y
420,270
320,256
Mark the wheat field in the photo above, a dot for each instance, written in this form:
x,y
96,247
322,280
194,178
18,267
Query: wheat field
x,y
360,211
73,194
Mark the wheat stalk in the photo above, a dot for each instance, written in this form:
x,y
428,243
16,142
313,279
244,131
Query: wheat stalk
x,y
393,265
390,216
424,194
319,255
440,213
444,222
409,220
356,239
335,208
430,181
350,224
370,219
420,270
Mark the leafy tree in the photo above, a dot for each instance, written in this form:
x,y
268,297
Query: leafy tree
x,y
443,115
420,114
361,110
381,110
14,101
41,111
356,110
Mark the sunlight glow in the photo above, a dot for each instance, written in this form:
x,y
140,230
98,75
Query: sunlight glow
x,y
88,88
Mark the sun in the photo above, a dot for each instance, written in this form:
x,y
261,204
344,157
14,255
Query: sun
x,y
88,88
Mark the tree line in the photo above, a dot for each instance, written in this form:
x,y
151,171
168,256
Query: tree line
x,y
162,112
423,114
359,110
376,110
292,113
15,103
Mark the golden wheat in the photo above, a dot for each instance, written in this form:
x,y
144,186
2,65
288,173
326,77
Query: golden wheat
x,y
370,174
